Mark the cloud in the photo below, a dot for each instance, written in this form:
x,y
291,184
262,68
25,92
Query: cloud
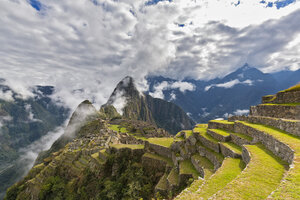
x,y
241,112
229,84
84,48
181,86
30,153
30,114
6,95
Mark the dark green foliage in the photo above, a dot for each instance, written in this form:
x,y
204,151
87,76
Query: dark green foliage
x,y
53,188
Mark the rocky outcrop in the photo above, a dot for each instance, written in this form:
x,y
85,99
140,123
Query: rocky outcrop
x,y
282,97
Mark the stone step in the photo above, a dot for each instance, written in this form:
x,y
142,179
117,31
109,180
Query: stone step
x,y
156,162
221,124
286,111
187,171
287,147
240,139
219,134
207,140
173,180
283,97
279,142
202,165
261,176
229,149
215,158
229,170
162,186
290,126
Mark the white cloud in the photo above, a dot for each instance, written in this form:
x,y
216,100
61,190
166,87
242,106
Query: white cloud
x,y
6,95
181,86
88,48
229,84
31,118
241,112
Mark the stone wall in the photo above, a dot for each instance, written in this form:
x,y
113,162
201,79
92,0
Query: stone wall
x,y
283,97
290,126
219,125
197,166
160,150
238,140
228,152
152,164
218,136
246,155
210,156
277,147
210,144
277,111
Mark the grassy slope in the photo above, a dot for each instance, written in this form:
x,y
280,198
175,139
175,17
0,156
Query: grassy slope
x,y
262,175
221,132
233,147
230,169
290,187
186,167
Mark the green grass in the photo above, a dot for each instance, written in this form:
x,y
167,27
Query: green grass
x,y
281,104
201,125
243,136
207,166
293,88
186,167
262,175
290,188
173,177
130,146
207,136
96,157
203,189
188,133
162,184
221,132
222,121
166,142
117,128
229,170
158,157
237,149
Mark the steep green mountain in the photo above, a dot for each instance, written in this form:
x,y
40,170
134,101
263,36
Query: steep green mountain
x,y
138,106
83,113
23,122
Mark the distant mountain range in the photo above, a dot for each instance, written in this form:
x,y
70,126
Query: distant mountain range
x,y
221,97
23,122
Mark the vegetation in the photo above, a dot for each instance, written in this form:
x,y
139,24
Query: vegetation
x,y
186,167
262,175
173,177
281,104
222,121
235,148
243,136
292,89
221,132
130,146
166,142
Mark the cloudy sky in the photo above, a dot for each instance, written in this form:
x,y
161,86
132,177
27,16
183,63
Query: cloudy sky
x,y
87,46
